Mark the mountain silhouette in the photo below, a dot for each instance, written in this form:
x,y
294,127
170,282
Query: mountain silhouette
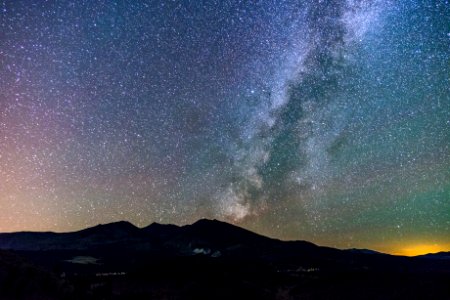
x,y
210,259
205,236
440,256
87,238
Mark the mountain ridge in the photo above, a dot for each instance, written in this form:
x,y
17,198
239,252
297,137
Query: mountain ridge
x,y
208,258
121,231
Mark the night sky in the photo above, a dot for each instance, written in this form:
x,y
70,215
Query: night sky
x,y
326,121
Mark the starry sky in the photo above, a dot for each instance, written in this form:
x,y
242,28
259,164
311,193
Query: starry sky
x,y
326,121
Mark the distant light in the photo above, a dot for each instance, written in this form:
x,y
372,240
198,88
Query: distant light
x,y
420,249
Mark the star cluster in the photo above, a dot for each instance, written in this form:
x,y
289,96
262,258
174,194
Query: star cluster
x,y
325,120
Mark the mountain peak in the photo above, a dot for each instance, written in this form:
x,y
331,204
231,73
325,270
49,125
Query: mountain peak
x,y
205,221
117,224
114,226
222,233
161,229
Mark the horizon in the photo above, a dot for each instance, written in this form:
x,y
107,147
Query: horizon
x,y
324,121
411,250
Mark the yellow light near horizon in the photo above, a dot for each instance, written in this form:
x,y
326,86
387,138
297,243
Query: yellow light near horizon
x,y
420,249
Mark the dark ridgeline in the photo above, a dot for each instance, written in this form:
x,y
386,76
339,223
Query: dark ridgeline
x,y
206,260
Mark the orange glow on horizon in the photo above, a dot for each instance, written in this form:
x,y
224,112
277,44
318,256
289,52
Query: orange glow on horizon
x,y
420,249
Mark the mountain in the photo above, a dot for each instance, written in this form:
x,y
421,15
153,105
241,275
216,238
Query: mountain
x,y
365,251
161,230
438,256
212,232
211,259
213,236
207,237
96,236
117,229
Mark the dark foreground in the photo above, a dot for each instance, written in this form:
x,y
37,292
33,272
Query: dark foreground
x,y
206,260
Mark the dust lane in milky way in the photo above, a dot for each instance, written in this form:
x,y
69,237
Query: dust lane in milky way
x,y
327,121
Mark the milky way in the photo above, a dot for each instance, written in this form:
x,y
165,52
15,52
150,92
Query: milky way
x,y
327,121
